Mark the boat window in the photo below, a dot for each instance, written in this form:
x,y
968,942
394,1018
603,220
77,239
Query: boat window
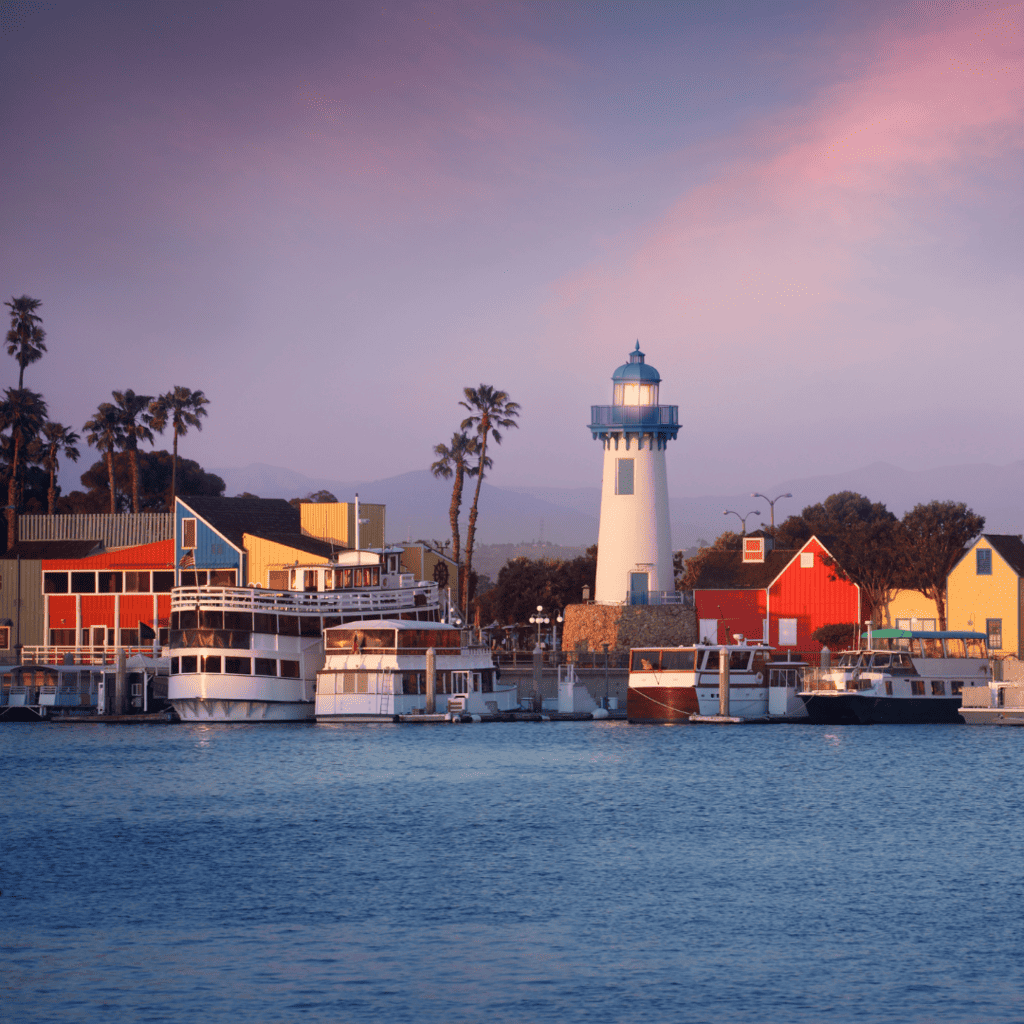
x,y
264,623
916,650
955,648
956,687
238,666
175,663
309,580
288,625
976,649
938,688
289,669
917,687
711,662
266,667
888,687
739,661
189,663
211,620
487,681
309,625
211,663
881,660
460,682
677,661
848,660
932,647
645,661
902,661
238,620
186,620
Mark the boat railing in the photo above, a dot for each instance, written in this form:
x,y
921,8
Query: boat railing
x,y
254,599
49,654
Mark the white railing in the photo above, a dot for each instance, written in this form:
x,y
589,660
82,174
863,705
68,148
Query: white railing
x,y
253,599
47,654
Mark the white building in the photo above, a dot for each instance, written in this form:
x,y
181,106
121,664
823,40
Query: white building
x,y
634,545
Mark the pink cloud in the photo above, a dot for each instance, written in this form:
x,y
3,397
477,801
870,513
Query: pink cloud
x,y
778,242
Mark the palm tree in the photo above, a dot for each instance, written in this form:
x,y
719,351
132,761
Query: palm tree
x,y
104,434
25,339
183,408
131,407
59,439
490,412
23,413
453,461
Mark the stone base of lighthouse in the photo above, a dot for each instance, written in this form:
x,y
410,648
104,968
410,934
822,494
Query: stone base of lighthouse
x,y
588,626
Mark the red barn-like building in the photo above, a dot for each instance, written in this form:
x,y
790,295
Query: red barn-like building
x,y
783,596
105,600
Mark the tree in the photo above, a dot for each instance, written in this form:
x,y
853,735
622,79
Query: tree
x,y
26,338
523,583
935,537
58,440
104,434
491,412
864,539
453,461
135,422
691,568
313,498
837,636
22,414
183,409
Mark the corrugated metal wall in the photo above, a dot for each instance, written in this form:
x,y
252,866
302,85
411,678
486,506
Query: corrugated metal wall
x,y
31,617
119,531
336,522
264,555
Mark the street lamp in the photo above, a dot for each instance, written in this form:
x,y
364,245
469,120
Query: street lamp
x,y
771,501
742,519
558,621
540,619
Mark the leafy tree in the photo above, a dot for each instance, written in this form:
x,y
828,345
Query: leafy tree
x,y
935,537
103,432
313,498
26,338
691,569
155,472
491,412
836,636
523,583
453,461
183,409
135,422
59,440
22,415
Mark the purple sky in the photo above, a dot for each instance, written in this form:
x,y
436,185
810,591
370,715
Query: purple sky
x,y
332,217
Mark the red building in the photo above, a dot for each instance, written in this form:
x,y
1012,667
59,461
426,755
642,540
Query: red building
x,y
783,596
109,600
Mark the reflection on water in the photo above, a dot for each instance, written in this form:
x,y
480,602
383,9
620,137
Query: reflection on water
x,y
555,872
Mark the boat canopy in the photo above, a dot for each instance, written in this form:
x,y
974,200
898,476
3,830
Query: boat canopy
x,y
921,634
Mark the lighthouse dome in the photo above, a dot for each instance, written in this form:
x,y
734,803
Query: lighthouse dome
x,y
636,369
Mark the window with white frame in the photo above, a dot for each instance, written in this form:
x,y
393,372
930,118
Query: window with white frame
x,y
188,534
994,628
806,559
709,631
787,632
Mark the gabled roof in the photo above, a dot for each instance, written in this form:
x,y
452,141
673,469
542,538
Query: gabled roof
x,y
40,549
263,517
1010,547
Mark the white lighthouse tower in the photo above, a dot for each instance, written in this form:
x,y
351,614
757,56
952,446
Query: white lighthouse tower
x,y
634,543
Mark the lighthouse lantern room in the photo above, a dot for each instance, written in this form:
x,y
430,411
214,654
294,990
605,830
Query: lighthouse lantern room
x,y
634,543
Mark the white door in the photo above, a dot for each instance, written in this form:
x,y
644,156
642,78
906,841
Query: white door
x,y
708,631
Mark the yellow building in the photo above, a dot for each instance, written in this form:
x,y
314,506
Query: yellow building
x,y
427,563
910,609
985,590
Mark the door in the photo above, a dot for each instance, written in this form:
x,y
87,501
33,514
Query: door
x,y
638,582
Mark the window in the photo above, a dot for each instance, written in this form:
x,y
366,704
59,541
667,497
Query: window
x,y
62,637
83,583
55,582
646,661
189,663
163,582
238,666
136,582
917,687
5,638
957,687
266,667
994,628
787,632
677,661
188,534
983,561
888,687
938,688
211,663
110,582
806,559
263,622
129,638
277,579
288,625
623,476
290,669
222,578
175,666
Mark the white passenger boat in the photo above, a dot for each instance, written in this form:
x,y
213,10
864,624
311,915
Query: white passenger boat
x,y
998,703
245,654
900,676
378,670
671,684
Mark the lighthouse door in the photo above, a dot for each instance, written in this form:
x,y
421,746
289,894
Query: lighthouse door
x,y
638,588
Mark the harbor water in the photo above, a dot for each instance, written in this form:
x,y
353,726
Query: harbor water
x,y
520,873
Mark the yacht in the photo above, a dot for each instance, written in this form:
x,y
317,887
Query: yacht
x,y
249,654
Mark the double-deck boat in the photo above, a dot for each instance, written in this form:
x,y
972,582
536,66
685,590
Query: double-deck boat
x,y
900,676
671,684
379,670
247,654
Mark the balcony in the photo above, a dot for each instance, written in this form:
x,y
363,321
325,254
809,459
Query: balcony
x,y
662,419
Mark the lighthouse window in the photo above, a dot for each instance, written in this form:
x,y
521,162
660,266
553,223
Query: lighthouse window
x,y
623,476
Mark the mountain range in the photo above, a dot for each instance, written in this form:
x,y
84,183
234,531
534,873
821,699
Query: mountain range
x,y
417,502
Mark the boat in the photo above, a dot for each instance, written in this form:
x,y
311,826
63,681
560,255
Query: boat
x,y
998,703
381,670
249,654
680,684
900,677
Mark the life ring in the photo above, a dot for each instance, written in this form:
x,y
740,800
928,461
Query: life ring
x,y
759,677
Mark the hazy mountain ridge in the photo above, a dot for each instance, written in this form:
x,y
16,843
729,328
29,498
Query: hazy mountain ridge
x,y
417,502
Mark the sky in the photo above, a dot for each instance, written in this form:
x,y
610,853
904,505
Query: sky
x,y
331,218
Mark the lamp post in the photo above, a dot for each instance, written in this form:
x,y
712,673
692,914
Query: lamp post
x,y
742,519
771,502
540,619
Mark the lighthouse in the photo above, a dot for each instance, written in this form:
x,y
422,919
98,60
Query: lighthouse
x,y
634,542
